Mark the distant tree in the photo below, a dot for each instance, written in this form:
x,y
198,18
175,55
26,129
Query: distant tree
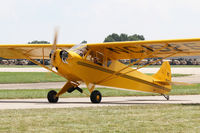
x,y
109,39
123,37
135,37
112,38
38,42
84,41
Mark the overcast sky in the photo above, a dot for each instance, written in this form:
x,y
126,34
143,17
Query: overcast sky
x,y
92,20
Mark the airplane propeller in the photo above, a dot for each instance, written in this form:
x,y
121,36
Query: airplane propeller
x,y
54,47
52,53
55,40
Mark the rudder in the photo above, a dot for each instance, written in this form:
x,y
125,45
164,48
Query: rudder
x,y
164,73
163,76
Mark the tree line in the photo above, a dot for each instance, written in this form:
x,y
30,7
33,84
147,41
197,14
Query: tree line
x,y
123,37
114,37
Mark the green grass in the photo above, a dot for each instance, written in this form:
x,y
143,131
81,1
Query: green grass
x,y
151,118
36,77
180,75
185,89
42,93
174,75
29,77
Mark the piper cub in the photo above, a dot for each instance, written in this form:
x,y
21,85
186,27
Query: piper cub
x,y
98,64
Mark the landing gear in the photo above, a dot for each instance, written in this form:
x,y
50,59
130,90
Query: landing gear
x,y
70,90
95,96
52,96
166,96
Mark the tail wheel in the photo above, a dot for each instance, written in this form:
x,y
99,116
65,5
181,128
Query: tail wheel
x,y
95,96
166,96
52,96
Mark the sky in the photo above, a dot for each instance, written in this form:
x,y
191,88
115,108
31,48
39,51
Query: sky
x,y
22,21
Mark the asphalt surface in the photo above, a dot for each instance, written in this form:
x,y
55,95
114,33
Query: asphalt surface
x,y
106,101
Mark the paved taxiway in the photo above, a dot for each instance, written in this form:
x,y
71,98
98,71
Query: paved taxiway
x,y
106,101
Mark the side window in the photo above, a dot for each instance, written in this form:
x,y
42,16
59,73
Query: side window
x,y
90,56
81,51
99,58
96,57
108,62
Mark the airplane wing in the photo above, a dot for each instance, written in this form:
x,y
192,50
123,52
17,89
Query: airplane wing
x,y
114,50
34,51
148,49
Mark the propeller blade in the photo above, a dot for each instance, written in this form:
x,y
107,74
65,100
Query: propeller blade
x,y
55,40
54,47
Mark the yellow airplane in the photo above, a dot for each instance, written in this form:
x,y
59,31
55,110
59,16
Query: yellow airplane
x,y
97,64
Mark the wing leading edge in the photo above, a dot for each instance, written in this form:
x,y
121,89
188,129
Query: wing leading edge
x,y
114,50
148,49
34,51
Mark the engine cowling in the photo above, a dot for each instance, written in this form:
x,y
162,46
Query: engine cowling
x,y
64,55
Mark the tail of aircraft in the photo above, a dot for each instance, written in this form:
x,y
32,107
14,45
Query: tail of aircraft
x,y
163,76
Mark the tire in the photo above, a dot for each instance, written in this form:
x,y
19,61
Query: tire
x,y
95,96
52,96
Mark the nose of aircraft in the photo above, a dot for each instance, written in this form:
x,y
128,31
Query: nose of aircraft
x,y
64,55
57,56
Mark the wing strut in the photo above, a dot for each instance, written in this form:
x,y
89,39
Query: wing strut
x,y
117,73
30,59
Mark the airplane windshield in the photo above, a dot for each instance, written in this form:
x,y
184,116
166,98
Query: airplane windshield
x,y
80,49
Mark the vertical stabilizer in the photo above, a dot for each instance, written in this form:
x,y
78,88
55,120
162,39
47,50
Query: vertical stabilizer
x,y
163,76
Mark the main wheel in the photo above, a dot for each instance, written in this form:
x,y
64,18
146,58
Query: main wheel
x,y
52,96
95,96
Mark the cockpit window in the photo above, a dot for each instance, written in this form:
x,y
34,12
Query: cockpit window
x,y
96,57
99,58
80,49
76,46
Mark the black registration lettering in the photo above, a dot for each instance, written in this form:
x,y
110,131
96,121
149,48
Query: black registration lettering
x,y
192,46
133,49
118,50
161,47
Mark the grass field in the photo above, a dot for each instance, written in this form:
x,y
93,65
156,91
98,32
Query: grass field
x,y
149,118
42,93
35,77
29,77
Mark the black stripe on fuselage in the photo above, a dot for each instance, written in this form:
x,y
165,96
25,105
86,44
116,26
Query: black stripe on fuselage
x,y
121,75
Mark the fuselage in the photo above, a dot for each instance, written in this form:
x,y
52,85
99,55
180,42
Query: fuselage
x,y
106,73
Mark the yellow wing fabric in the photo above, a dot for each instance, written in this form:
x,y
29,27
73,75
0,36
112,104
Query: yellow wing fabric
x,y
148,49
34,51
